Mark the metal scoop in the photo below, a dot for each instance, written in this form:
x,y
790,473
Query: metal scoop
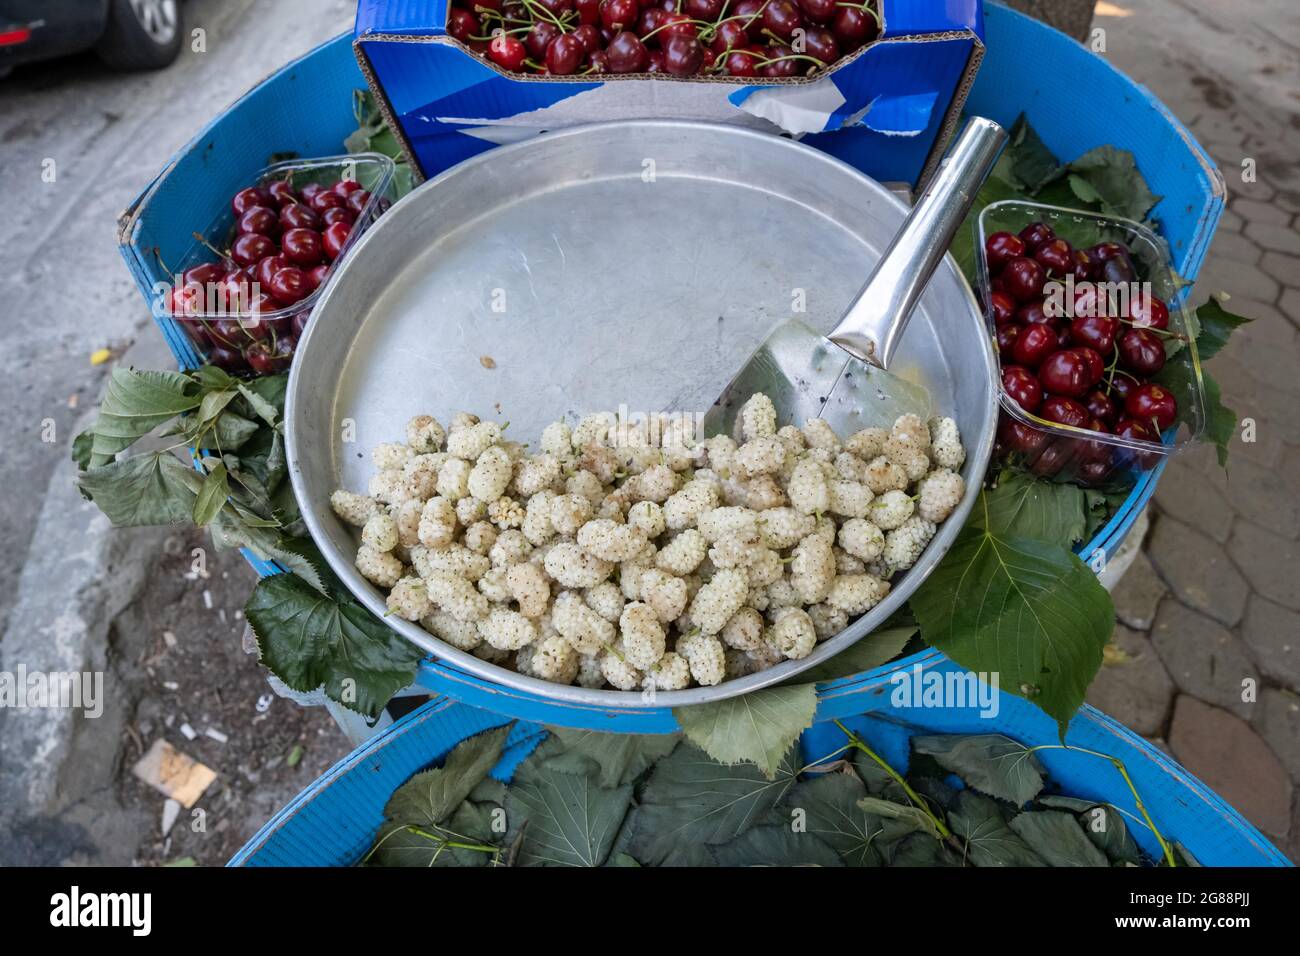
x,y
843,377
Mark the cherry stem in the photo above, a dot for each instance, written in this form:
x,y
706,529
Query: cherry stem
x,y
536,8
209,246
534,64
791,56
501,32
665,26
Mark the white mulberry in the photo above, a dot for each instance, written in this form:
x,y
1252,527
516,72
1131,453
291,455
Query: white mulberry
x,y
453,479
744,631
862,539
813,568
378,567
683,554
940,492
355,509
905,543
578,624
409,600
672,672
425,434
642,635
530,587
807,488
573,567
757,417
792,633
437,523
706,657
665,594
505,513
684,508
856,594
490,475
611,541
471,441
717,600
507,630
891,509
380,532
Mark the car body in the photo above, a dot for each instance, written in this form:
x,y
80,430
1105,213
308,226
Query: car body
x,y
127,34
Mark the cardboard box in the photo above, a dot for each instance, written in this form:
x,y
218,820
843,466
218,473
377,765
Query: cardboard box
x,y
887,110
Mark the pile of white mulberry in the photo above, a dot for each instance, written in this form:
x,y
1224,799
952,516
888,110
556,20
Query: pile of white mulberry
x,y
634,556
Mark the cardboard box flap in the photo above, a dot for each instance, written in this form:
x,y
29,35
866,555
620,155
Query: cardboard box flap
x,y
913,17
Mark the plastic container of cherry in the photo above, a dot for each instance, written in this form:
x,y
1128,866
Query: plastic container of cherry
x,y
244,290
1100,377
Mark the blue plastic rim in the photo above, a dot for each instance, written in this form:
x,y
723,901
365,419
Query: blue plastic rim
x,y
307,108
334,821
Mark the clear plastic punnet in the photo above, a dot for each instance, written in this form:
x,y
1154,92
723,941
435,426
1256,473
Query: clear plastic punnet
x,y
1101,450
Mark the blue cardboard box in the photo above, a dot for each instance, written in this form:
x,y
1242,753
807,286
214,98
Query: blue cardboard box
x,y
888,109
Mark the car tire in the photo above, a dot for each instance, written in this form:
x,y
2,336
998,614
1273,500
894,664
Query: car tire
x,y
141,34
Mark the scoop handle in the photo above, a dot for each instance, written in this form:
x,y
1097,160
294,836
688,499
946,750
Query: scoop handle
x,y
874,323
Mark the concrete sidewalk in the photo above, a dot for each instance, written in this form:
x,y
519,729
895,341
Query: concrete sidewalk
x,y
1209,637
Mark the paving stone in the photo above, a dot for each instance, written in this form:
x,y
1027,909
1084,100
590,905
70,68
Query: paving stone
x,y
1277,720
1225,275
1272,633
1202,657
1289,305
1234,761
1188,494
1263,494
1230,221
1138,594
1256,210
1285,269
1272,236
1235,246
1268,561
1198,572
1134,687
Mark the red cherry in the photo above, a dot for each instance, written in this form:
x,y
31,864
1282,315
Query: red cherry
x,y
290,284
675,25
619,14
326,199
741,62
1136,430
317,275
507,52
246,199
357,201
818,11
1053,459
1036,234
588,11
461,24
303,246
539,37
1033,313
702,9
1120,386
626,53
1101,406
563,56
1065,373
269,267
683,56
589,37
1007,335
1033,345
259,219
1002,307
267,358
281,193
853,27
1023,278
1096,364
1056,256
783,66
782,17
297,216
1083,266
1151,402
1021,437
729,36
1148,312
655,62
1105,251
1142,351
1096,332
1023,387
250,248
749,14
338,215
1000,248
820,44
1065,411
204,273
333,239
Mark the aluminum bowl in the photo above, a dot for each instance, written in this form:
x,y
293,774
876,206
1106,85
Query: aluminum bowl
x,y
635,264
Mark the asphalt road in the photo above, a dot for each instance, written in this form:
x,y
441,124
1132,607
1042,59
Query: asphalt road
x,y
64,291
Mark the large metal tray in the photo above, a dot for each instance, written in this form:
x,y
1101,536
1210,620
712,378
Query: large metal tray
x,y
631,264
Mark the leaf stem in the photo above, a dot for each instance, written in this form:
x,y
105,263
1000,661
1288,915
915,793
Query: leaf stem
x,y
1137,798
858,743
